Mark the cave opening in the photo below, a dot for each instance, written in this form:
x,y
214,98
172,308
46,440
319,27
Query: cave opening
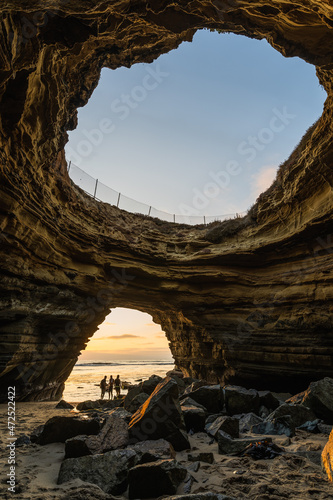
x,y
129,344
211,122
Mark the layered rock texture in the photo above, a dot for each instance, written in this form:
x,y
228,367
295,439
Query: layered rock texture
x,y
248,301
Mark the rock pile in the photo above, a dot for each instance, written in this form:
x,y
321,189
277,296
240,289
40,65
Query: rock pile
x,y
123,448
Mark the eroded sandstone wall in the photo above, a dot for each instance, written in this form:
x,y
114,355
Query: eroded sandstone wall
x,y
248,301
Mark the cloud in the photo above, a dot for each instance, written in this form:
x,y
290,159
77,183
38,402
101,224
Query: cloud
x,y
262,180
120,337
150,324
108,323
160,337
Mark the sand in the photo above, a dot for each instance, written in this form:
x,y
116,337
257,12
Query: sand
x,y
290,476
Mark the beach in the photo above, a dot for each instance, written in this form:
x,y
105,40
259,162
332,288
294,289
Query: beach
x,y
296,474
83,382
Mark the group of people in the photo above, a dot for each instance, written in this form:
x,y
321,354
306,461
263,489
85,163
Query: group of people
x,y
113,383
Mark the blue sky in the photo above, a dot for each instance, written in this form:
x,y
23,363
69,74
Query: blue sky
x,y
165,133
176,135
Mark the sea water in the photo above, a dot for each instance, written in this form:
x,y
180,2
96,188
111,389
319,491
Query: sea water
x,y
83,383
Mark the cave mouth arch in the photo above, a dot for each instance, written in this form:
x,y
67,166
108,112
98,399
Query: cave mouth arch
x,y
215,145
128,343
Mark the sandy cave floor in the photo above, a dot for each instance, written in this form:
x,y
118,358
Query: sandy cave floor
x,y
289,476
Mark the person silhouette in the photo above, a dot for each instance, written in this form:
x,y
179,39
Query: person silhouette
x,y
111,384
103,386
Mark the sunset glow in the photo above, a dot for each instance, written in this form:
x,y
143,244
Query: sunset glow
x,y
127,334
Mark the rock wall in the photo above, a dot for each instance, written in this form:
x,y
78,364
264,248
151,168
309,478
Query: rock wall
x,y
247,301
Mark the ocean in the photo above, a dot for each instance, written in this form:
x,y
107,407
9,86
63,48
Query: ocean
x,y
83,382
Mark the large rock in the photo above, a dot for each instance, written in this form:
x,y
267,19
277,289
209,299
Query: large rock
x,y
59,429
88,405
209,396
109,471
64,405
276,426
299,414
148,386
121,413
192,384
268,400
113,435
327,458
160,417
247,421
229,425
319,398
133,405
194,417
229,446
240,400
155,479
152,451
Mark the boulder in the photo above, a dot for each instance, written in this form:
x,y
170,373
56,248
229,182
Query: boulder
x,y
64,405
175,372
299,414
121,413
240,400
276,426
88,405
194,418
319,398
132,393
110,404
136,402
193,384
268,400
327,458
229,425
152,451
148,386
180,382
59,429
187,401
34,436
108,471
209,396
155,479
247,421
22,440
77,447
160,417
201,457
229,446
113,435
211,418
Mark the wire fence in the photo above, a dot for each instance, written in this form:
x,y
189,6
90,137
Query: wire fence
x,y
99,191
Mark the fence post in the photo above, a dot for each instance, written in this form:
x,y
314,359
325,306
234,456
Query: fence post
x,y
149,211
69,166
174,218
95,188
118,200
204,219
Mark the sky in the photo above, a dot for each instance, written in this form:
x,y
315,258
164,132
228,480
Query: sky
x,y
200,131
127,334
